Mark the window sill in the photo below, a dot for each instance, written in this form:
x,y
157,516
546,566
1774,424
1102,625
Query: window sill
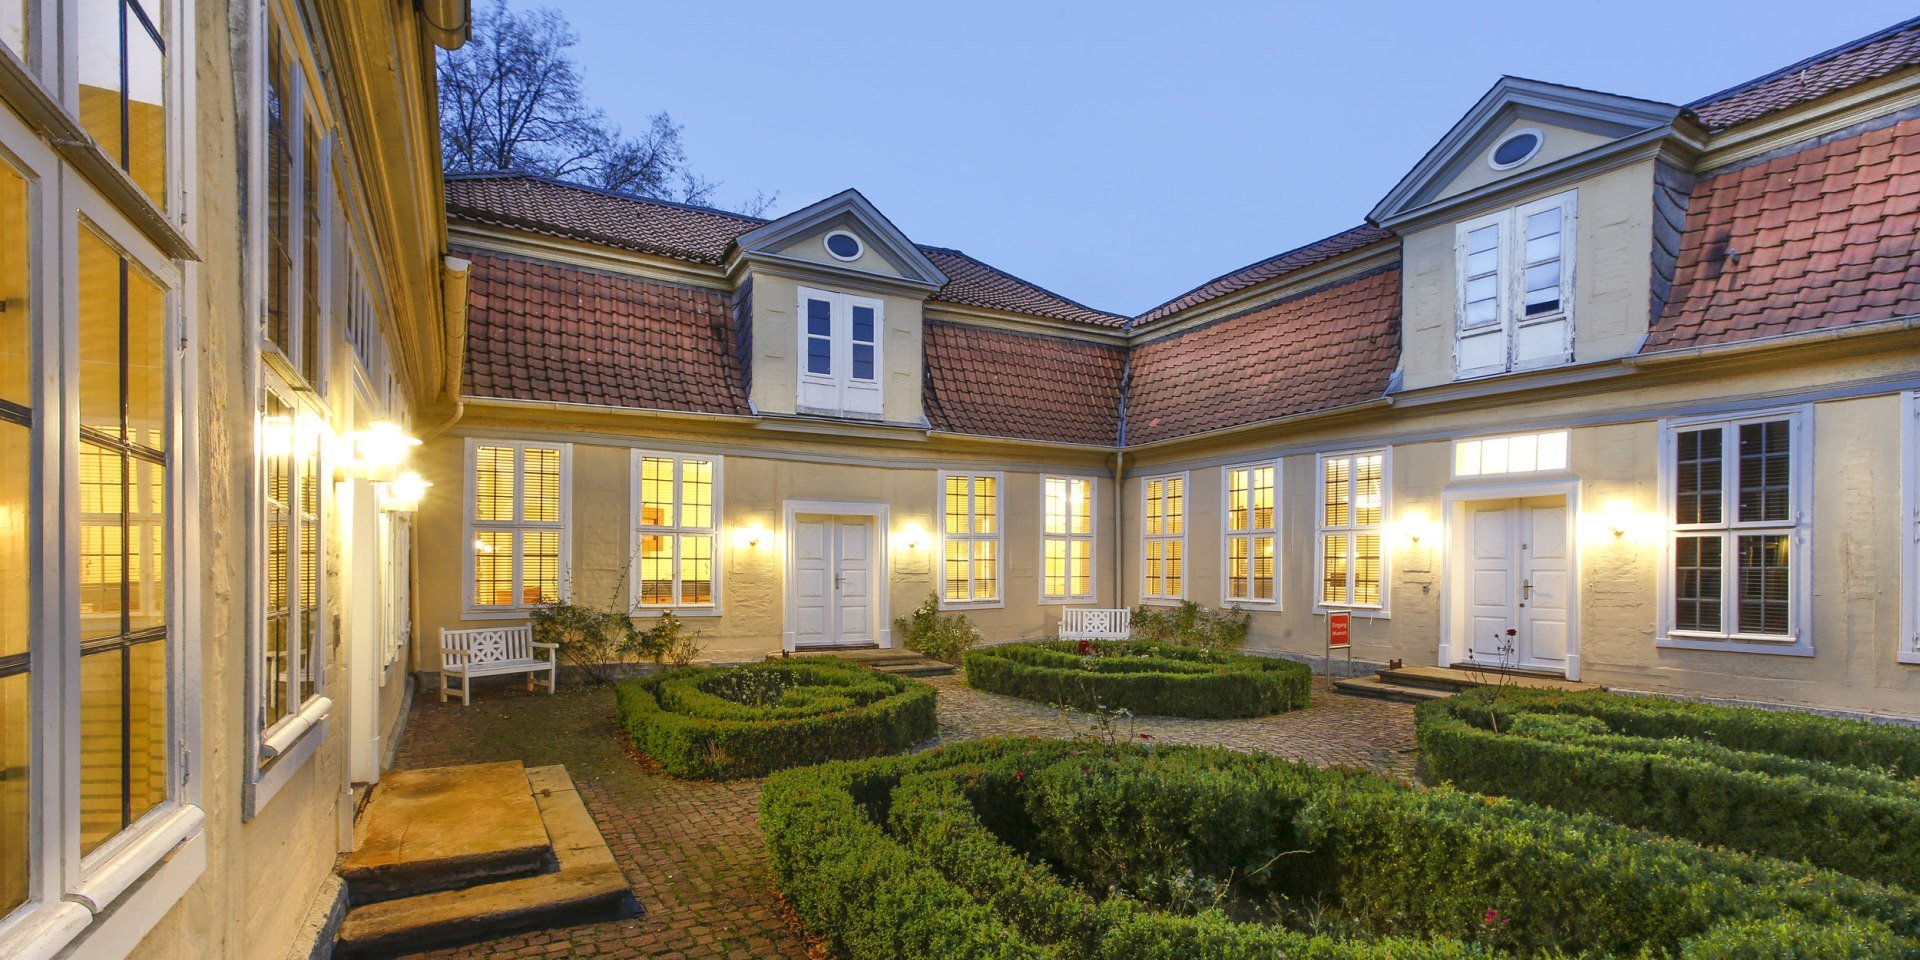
x,y
1909,656
119,931
1777,648
964,605
295,747
106,881
1258,606
499,613
1047,601
1162,601
1364,613
40,933
657,612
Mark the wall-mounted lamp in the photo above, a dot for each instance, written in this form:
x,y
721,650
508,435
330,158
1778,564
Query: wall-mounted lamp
x,y
915,535
1619,523
378,452
753,535
1417,527
403,494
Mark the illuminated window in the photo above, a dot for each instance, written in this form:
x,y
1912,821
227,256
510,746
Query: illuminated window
x,y
1163,537
970,537
676,530
1525,453
1067,538
18,521
1737,508
516,523
123,87
1252,530
290,667
297,257
1353,508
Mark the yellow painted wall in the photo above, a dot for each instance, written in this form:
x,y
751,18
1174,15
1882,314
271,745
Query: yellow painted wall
x,y
1557,143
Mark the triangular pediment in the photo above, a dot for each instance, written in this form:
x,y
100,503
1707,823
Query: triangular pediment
x,y
1567,122
813,238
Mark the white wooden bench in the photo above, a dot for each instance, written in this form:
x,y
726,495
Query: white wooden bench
x,y
491,651
1090,623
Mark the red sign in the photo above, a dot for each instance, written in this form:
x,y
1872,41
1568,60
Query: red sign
x,y
1339,629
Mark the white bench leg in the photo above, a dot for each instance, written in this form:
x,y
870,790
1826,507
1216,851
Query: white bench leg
x,y
445,678
466,690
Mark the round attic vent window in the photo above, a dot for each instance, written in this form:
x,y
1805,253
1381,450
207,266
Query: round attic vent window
x,y
1515,150
843,245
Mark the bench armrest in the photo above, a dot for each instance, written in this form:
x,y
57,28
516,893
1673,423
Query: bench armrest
x,y
545,646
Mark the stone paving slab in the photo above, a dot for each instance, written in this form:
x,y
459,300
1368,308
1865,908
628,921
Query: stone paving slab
x,y
692,851
444,827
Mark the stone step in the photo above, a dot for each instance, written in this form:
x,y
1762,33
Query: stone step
x,y
583,885
1456,679
445,828
831,649
917,668
1378,689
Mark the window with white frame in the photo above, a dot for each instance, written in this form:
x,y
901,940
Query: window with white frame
x,y
516,525
1066,538
970,538
840,341
1910,527
1252,529
676,531
396,588
98,497
289,669
1353,514
1163,537
297,238
1736,499
1514,299
1522,453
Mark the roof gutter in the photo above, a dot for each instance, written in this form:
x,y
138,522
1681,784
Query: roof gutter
x,y
1759,344
1328,414
455,275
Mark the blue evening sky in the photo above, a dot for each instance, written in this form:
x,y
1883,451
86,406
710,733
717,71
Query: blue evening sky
x,y
1119,153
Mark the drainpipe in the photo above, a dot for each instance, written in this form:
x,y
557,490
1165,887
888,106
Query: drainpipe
x,y
454,276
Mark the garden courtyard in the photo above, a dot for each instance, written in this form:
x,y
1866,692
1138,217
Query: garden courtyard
x,y
693,850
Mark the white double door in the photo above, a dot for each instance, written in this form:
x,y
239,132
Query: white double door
x,y
1519,573
833,580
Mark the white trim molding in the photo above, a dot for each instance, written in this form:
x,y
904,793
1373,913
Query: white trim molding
x,y
882,550
1251,531
1352,530
678,531
1163,537
517,527
1454,538
1717,521
1066,535
973,538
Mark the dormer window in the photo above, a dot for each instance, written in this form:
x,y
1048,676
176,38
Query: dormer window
x,y
1515,296
839,353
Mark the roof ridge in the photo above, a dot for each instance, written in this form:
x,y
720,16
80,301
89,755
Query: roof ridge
x,y
1021,280
1806,62
600,191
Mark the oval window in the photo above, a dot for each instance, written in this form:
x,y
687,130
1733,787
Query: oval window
x,y
1515,150
843,245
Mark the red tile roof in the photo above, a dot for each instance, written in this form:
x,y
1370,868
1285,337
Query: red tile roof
x,y
1870,57
1340,243
1822,237
1329,347
705,235
538,331
559,209
1000,383
975,284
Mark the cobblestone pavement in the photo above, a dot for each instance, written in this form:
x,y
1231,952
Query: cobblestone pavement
x,y
692,850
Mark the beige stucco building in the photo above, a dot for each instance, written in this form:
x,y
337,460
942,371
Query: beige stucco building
x,y
1608,388
223,303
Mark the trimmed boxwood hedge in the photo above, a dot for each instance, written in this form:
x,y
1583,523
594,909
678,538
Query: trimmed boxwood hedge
x,y
1843,794
718,723
1154,679
1070,850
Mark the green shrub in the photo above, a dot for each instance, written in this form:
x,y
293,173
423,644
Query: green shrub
x,y
1191,623
1024,848
716,723
1159,679
944,637
1782,785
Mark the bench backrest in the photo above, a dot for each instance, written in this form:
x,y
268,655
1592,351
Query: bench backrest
x,y
1093,622
486,645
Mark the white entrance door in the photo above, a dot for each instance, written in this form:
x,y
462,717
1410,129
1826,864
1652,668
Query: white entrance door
x,y
1518,577
833,588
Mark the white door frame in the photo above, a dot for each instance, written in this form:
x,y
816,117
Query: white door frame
x,y
883,580
1453,514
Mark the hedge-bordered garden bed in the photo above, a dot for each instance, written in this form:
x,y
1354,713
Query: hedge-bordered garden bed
x,y
1155,679
1837,793
718,723
1065,850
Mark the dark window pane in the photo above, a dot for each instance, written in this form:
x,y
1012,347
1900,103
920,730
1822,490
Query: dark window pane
x,y
1696,583
310,255
1697,488
1765,584
863,324
819,318
819,356
863,361
279,197
1515,149
843,245
1766,471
